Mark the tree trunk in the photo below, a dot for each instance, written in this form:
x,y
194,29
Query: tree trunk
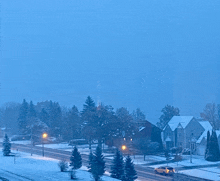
x,y
100,143
90,144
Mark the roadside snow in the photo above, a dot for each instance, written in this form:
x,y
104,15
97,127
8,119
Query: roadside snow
x,y
36,168
202,173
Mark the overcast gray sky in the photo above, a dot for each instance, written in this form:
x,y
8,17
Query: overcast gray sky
x,y
133,54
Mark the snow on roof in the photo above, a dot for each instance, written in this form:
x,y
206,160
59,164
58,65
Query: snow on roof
x,y
204,135
141,128
206,125
217,132
176,121
168,139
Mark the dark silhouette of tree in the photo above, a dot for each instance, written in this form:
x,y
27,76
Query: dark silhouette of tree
x,y
168,112
117,168
23,117
207,144
72,124
75,159
98,164
213,148
138,115
130,173
6,146
124,123
75,162
89,119
44,116
210,113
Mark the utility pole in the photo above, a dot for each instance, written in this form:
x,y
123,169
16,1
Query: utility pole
x,y
191,150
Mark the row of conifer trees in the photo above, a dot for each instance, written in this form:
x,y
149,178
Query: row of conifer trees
x,y
212,147
119,169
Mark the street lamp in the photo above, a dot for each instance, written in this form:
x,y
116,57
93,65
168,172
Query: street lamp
x,y
123,147
44,136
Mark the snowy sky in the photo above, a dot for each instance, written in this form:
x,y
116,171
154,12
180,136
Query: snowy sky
x,y
133,54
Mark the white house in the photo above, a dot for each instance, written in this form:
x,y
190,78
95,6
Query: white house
x,y
201,142
183,131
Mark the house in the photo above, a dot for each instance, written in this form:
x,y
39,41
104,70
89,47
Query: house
x,y
182,131
202,141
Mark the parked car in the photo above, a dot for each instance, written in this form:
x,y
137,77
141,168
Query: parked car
x,y
165,170
78,142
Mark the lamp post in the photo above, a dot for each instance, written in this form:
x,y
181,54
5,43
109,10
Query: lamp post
x,y
123,147
44,136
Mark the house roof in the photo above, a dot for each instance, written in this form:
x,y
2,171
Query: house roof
x,y
207,126
217,133
178,121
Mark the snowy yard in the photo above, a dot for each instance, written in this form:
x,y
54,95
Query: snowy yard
x,y
208,173
211,173
37,168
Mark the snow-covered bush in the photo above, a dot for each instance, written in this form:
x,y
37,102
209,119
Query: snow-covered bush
x,y
63,165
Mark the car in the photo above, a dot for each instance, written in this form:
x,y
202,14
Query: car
x,y
165,170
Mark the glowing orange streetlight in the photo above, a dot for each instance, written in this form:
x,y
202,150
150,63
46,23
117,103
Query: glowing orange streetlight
x,y
44,136
123,147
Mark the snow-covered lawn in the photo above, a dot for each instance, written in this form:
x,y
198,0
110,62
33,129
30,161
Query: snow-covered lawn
x,y
37,168
206,173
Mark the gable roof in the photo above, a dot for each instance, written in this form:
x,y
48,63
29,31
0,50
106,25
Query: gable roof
x,y
178,121
207,126
217,133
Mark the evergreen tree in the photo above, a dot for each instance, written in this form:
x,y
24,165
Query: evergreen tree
x,y
130,173
207,144
23,117
75,159
73,124
32,113
117,169
6,146
75,162
44,116
89,105
213,151
98,164
55,119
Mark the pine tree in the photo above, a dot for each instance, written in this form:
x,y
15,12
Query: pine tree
x,y
117,169
216,146
75,162
207,144
22,118
6,146
98,164
75,159
213,148
130,173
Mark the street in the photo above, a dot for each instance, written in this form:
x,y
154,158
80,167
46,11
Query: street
x,y
144,173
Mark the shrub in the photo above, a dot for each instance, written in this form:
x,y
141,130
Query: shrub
x,y
63,165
